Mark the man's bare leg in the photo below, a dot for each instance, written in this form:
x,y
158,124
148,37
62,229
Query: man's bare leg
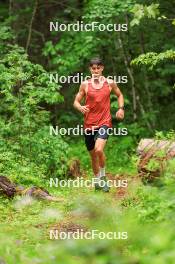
x,y
99,150
94,162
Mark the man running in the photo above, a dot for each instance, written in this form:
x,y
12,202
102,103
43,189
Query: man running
x,y
97,116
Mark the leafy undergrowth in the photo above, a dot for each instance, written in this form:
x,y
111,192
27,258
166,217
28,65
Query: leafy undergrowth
x,y
144,212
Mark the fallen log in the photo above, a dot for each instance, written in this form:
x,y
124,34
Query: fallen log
x,y
154,156
7,187
10,189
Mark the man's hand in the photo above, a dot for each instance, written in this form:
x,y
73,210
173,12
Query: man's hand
x,y
120,114
83,109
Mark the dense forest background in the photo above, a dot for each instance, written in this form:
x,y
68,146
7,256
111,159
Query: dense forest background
x,y
30,104
30,51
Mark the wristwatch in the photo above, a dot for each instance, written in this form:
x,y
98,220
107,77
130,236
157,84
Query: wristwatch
x,y
121,107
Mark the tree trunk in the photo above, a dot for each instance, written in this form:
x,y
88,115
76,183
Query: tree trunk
x,y
31,24
130,73
154,155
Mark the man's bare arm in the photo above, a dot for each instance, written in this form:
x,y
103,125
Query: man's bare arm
x,y
118,93
78,98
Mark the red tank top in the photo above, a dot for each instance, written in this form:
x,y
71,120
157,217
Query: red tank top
x,y
99,106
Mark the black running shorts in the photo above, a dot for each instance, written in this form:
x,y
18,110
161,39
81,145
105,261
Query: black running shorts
x,y
92,135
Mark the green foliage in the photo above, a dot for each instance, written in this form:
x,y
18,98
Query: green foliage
x,y
84,45
145,214
29,155
163,135
152,59
25,93
141,11
108,10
